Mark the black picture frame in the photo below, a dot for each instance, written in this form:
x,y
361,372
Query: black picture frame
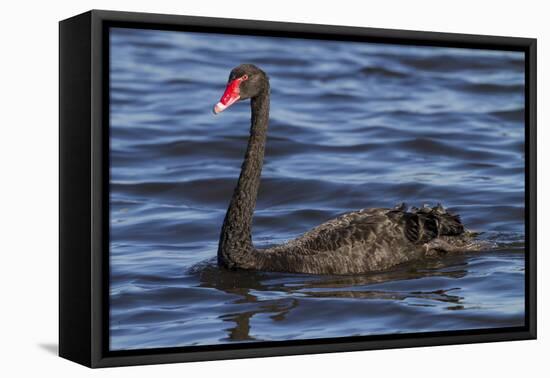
x,y
84,188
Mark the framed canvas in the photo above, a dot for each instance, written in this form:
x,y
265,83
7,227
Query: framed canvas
x,y
234,188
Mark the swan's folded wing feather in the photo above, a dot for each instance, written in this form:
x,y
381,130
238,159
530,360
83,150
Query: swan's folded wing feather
x,y
422,226
345,230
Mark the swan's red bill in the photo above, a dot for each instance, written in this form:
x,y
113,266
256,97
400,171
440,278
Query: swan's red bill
x,y
229,97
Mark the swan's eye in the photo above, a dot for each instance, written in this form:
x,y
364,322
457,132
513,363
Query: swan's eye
x,y
244,77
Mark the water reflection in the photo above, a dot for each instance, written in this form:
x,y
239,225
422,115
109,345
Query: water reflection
x,y
278,294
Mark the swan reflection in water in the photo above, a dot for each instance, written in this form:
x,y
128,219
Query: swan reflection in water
x,y
277,295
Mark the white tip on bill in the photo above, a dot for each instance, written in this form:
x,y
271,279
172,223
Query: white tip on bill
x,y
219,107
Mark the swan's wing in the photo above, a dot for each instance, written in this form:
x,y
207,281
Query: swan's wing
x,y
418,227
346,230
364,241
375,227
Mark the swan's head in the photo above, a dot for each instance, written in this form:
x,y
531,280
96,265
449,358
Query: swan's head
x,y
245,81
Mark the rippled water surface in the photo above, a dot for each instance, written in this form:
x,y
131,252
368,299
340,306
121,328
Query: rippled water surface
x,y
353,125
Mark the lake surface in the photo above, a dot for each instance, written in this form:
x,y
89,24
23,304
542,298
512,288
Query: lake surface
x,y
353,125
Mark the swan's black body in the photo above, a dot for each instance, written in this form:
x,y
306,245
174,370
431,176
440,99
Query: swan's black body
x,y
363,241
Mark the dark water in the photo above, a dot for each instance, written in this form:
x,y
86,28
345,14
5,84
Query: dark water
x,y
352,126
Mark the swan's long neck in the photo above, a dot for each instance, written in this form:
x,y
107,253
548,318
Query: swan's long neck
x,y
236,236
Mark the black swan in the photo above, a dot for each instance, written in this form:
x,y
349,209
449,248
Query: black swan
x,y
358,242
